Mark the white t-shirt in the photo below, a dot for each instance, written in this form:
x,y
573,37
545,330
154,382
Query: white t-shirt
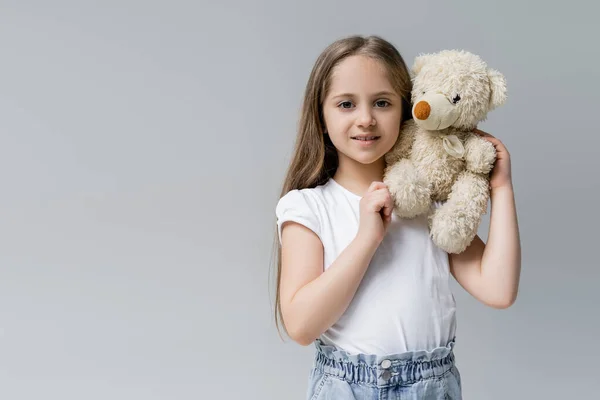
x,y
404,301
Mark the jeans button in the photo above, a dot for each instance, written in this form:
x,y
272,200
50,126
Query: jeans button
x,y
385,364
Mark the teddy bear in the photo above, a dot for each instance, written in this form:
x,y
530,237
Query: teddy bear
x,y
439,167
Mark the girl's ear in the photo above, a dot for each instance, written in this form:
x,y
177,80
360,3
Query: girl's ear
x,y
498,88
420,61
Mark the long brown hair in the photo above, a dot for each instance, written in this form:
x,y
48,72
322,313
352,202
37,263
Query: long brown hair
x,y
314,159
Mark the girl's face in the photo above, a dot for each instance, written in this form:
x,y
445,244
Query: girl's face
x,y
362,104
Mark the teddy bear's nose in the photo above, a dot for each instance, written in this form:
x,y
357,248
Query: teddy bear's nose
x,y
422,110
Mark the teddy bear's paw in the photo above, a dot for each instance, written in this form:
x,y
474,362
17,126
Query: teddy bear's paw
x,y
450,230
409,189
481,155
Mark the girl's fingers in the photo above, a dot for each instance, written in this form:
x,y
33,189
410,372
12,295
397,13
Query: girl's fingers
x,y
481,133
494,140
484,134
385,201
389,204
376,186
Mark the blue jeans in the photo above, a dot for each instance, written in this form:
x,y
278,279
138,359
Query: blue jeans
x,y
337,375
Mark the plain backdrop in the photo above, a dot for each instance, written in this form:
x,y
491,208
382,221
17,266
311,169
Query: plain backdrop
x,y
143,147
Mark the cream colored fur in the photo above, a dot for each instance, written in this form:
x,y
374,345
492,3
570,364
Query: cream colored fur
x,y
438,158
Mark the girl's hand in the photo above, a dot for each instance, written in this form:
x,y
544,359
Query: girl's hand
x,y
375,213
501,173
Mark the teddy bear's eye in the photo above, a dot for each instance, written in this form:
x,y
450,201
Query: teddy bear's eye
x,y
456,99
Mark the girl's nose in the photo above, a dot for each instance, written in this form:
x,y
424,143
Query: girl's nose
x,y
366,118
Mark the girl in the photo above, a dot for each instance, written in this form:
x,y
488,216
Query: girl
x,y
370,290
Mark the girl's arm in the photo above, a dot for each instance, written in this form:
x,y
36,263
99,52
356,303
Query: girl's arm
x,y
313,300
491,272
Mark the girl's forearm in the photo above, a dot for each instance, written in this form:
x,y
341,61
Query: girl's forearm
x,y
319,304
501,260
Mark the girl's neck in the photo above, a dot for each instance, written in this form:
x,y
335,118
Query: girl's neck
x,y
357,177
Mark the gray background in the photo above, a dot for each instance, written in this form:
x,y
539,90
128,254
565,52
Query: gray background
x,y
143,145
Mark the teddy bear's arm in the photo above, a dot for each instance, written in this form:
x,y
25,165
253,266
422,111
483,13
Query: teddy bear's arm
x,y
480,154
404,143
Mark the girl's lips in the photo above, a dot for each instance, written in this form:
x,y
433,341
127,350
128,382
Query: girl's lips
x,y
366,142
365,136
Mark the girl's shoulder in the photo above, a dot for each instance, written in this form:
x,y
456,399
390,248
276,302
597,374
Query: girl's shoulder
x,y
304,201
303,206
305,197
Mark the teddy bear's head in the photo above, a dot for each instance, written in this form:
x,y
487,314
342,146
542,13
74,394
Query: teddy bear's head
x,y
454,88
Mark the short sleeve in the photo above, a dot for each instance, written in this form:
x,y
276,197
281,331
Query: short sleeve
x,y
296,206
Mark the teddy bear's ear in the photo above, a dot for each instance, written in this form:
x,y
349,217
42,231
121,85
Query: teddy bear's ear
x,y
498,88
420,61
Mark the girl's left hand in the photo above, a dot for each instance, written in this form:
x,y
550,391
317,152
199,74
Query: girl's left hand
x,y
501,173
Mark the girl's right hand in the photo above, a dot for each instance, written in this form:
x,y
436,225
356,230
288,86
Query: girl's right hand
x,y
376,208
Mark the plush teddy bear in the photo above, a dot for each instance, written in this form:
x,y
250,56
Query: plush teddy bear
x,y
439,166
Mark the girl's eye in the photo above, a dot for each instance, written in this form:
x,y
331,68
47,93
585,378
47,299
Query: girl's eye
x,y
379,103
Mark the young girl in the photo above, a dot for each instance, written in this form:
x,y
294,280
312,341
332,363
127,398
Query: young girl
x,y
371,290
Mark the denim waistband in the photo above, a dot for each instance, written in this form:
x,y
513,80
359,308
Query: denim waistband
x,y
376,370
